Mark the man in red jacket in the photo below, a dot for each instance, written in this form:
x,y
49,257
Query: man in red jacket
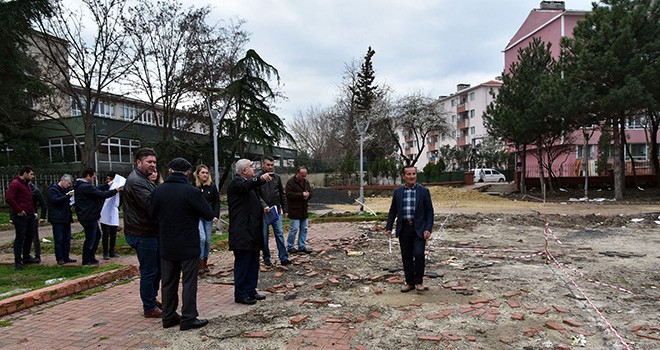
x,y
19,198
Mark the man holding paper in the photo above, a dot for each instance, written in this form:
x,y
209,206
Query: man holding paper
x,y
273,199
88,209
110,217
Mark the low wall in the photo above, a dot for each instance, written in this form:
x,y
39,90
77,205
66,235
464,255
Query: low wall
x,y
593,180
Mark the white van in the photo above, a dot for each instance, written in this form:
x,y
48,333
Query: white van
x,y
488,175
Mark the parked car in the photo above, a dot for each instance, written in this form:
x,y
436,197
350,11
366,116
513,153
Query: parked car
x,y
488,175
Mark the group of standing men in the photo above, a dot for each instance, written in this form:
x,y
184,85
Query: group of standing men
x,y
23,196
162,224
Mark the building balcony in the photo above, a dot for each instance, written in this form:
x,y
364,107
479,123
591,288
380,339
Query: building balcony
x,y
461,141
462,124
432,147
461,108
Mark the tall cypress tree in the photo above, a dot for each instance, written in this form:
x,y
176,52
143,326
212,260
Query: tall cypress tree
x,y
364,93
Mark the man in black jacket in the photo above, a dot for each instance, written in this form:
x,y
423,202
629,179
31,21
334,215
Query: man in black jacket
x,y
88,208
178,206
245,230
59,215
272,193
141,231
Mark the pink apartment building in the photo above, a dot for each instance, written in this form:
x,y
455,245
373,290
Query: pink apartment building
x,y
551,22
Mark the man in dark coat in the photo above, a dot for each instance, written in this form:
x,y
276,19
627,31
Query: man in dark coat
x,y
59,215
88,203
178,206
298,193
413,210
19,198
245,230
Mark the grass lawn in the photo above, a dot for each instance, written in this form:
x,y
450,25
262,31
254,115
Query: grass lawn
x,y
35,276
38,276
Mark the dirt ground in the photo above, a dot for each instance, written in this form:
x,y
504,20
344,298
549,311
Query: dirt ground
x,y
491,286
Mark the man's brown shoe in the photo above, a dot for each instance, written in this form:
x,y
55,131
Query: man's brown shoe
x,y
421,287
155,313
407,288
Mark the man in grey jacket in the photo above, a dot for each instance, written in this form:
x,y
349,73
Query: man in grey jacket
x,y
272,193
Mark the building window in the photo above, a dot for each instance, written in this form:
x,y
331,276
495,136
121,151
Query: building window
x,y
636,122
118,150
638,151
471,96
453,102
104,109
590,152
472,130
453,118
128,113
472,113
75,108
61,150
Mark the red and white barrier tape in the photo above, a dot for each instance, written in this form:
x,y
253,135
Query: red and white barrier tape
x,y
592,305
427,255
485,250
596,281
549,230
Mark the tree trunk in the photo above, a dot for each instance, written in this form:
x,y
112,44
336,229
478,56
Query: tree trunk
x,y
619,165
585,162
87,150
632,161
653,137
548,162
539,153
523,171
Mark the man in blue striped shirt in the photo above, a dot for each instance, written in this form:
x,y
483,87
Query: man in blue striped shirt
x,y
413,210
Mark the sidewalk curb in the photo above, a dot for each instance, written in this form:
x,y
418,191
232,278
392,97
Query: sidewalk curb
x,y
44,295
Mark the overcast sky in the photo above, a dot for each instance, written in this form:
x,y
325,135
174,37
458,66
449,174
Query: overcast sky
x,y
421,45
425,46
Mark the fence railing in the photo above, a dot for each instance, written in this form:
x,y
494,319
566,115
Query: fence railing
x,y
642,167
43,178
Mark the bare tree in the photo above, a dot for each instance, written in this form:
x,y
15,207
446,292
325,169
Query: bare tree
x,y
313,133
178,53
82,62
418,116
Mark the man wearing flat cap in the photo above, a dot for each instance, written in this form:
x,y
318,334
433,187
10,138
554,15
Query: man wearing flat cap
x,y
178,206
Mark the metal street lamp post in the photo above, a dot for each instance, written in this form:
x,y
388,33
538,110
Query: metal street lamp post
x,y
362,129
216,117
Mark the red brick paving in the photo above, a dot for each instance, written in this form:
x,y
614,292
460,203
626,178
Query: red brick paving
x,y
112,319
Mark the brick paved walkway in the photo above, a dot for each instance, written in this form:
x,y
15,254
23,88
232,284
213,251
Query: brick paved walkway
x,y
112,318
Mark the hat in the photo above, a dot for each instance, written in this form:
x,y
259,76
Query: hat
x,y
179,164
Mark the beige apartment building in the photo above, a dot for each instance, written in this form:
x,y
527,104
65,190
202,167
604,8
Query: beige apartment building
x,y
464,111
